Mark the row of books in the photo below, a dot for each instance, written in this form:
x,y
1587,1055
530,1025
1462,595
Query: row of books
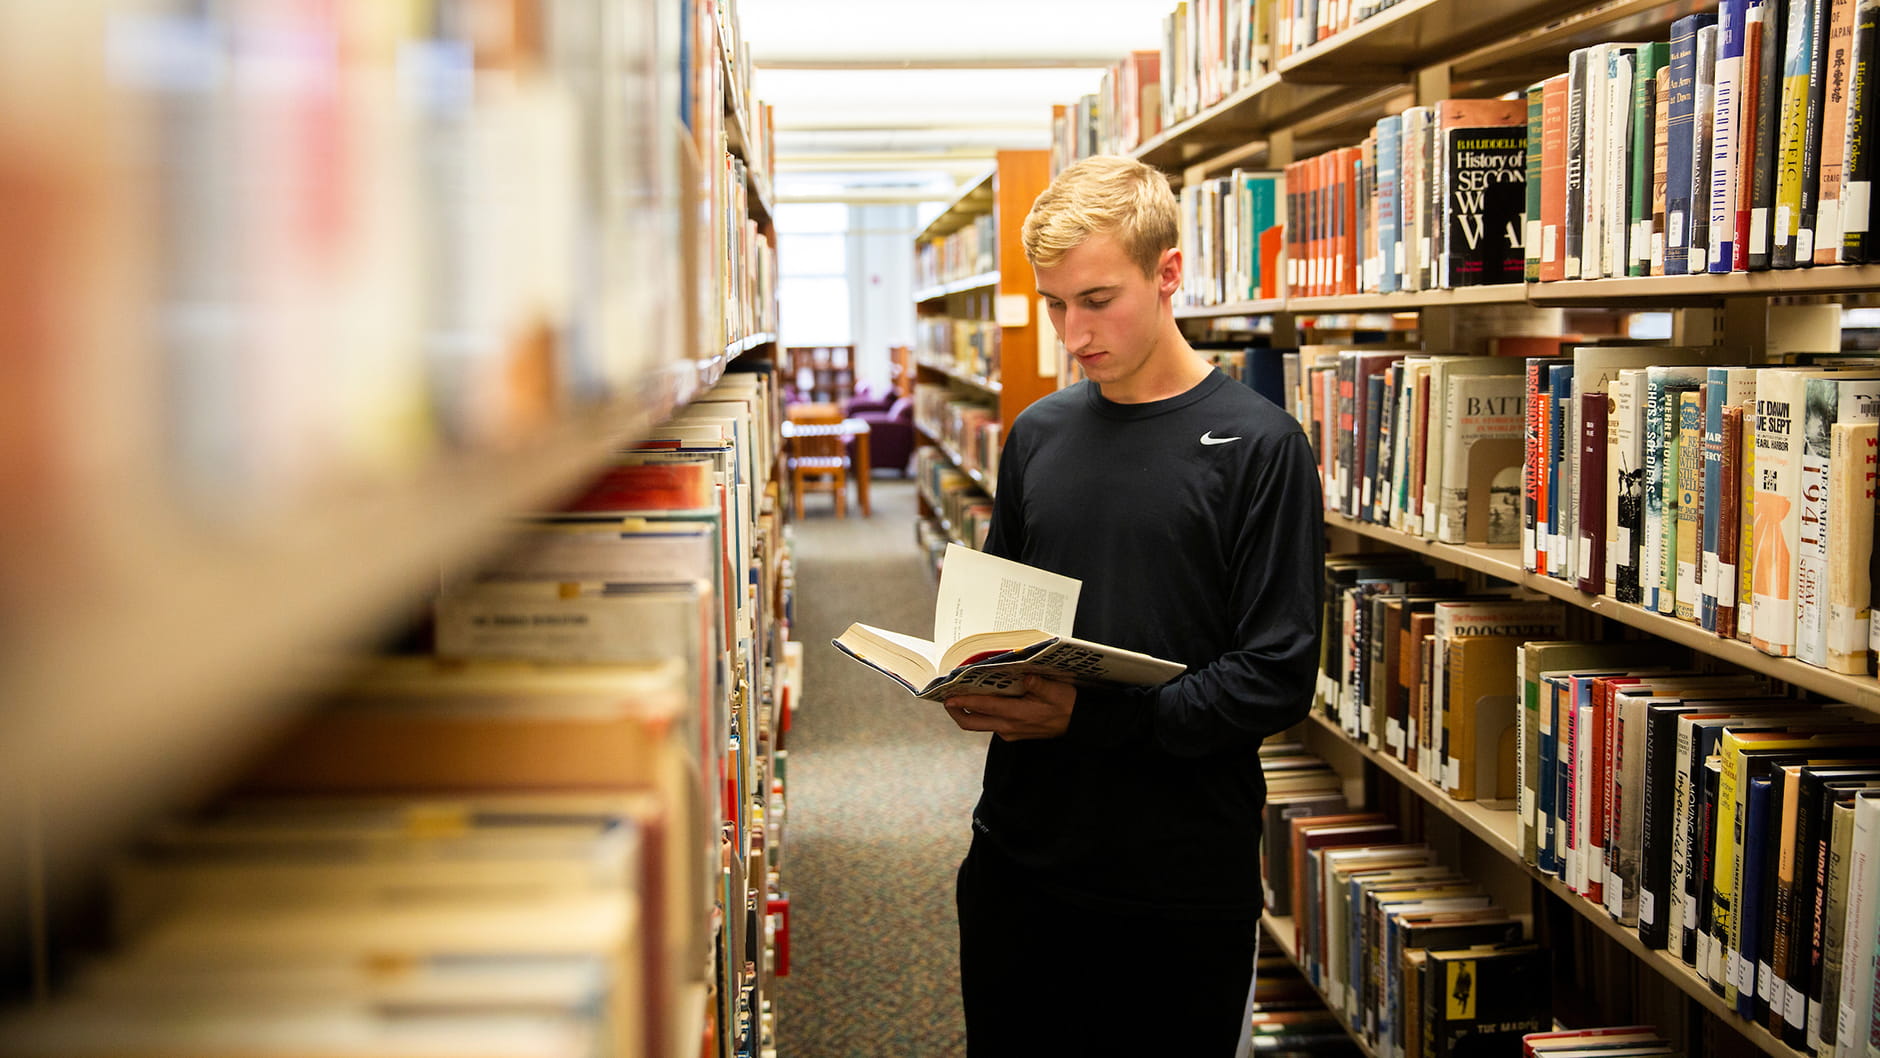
x,y
1744,142
1125,110
968,346
1417,958
1737,497
1433,198
1703,808
1230,238
960,502
1422,669
968,427
553,833
750,261
1617,760
1210,50
970,250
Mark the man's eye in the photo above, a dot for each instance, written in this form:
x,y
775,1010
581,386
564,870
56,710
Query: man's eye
x,y
1097,304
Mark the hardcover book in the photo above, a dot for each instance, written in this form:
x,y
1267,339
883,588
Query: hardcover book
x,y
1483,172
995,622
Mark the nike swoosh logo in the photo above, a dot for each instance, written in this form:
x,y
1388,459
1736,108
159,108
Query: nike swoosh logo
x,y
1209,439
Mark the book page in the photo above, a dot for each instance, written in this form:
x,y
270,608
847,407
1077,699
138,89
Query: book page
x,y
986,593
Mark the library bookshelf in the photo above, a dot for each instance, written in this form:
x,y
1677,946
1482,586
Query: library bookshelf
x,y
220,507
1295,97
978,360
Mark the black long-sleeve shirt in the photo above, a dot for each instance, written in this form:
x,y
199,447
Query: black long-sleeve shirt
x,y
1195,524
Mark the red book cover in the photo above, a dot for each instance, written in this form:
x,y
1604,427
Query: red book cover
x,y
1592,484
649,487
1554,178
1347,161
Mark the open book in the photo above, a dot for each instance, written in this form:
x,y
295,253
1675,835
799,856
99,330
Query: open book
x,y
995,622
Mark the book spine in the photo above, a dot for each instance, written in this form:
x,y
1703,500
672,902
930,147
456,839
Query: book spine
x,y
1553,182
1797,59
1729,518
1616,253
1857,166
1643,156
1764,174
1746,526
1814,122
1727,109
1690,500
1389,186
1574,221
1749,122
1661,117
1591,564
1533,476
1702,126
1628,481
1531,216
1837,75
1680,161
1851,516
1776,508
1715,389
1561,446
1651,563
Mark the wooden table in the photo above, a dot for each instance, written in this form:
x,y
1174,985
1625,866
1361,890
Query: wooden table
x,y
813,420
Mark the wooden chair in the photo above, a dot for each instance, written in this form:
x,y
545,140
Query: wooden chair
x,y
818,456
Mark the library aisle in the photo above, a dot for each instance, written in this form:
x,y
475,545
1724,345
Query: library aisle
x,y
881,795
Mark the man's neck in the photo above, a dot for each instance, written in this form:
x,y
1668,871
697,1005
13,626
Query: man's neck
x,y
1173,369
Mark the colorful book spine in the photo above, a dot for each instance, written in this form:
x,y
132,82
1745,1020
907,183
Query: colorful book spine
x,y
1857,167
1797,60
1690,491
1725,137
1644,157
1680,128
1536,136
1768,131
1852,463
1701,129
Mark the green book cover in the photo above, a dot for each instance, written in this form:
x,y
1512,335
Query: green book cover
x,y
1532,227
1651,58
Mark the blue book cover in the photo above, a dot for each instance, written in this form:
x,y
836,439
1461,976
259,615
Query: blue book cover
x,y
1680,130
1749,902
1559,500
1389,216
1549,784
1726,137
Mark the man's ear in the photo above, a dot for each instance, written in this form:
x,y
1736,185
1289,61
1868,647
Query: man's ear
x,y
1168,272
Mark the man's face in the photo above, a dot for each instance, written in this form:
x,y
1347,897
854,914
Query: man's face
x,y
1107,312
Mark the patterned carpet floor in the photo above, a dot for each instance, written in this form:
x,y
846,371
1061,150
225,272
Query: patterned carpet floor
x,y
881,789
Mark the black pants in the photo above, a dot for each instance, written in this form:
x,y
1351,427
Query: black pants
x,y
1041,977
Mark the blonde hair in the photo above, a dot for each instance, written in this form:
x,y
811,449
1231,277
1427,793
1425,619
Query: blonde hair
x,y
1103,195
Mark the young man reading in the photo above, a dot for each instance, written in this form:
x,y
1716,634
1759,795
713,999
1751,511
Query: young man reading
x,y
1110,901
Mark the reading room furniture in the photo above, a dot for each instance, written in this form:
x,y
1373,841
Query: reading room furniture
x,y
824,450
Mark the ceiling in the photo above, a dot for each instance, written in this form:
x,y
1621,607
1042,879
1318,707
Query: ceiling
x,y
904,100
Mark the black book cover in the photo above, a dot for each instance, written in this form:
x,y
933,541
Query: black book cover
x,y
1661,762
1814,118
1483,216
1479,1002
1858,166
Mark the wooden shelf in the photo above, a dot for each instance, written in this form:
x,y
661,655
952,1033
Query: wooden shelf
x,y
1705,288
1384,51
982,281
1262,307
1505,563
749,342
1497,829
954,457
135,690
987,385
1497,294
